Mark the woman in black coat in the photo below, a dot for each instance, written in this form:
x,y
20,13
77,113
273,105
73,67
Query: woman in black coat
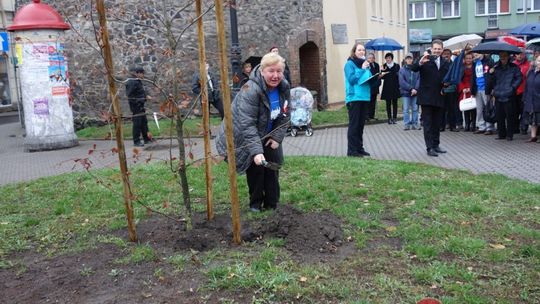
x,y
531,99
390,92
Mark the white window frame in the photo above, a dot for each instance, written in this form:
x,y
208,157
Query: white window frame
x,y
529,3
424,4
381,18
486,8
453,8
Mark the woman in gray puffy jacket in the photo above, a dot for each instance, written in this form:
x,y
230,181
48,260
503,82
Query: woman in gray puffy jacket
x,y
260,123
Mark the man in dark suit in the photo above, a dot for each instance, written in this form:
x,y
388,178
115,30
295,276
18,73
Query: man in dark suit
x,y
432,70
374,84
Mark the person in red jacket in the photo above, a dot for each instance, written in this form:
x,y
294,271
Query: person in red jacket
x,y
464,91
524,66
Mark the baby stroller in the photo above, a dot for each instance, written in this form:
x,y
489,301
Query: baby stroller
x,y
301,105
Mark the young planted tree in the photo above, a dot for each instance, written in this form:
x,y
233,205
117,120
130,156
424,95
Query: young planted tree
x,y
164,23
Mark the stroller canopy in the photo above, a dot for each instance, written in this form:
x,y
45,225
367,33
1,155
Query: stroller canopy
x,y
301,98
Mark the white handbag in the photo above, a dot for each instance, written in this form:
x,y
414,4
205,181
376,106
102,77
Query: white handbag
x,y
467,104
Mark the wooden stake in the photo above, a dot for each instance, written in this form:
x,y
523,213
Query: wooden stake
x,y
117,119
206,112
226,91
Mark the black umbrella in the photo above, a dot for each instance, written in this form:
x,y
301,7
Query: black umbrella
x,y
495,47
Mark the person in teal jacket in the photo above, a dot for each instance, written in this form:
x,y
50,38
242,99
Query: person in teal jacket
x,y
357,99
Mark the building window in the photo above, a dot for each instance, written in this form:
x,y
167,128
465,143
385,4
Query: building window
x,y
422,10
381,10
373,9
532,5
491,7
398,17
390,17
450,8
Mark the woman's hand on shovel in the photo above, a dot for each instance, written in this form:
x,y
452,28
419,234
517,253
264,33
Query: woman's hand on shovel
x,y
258,159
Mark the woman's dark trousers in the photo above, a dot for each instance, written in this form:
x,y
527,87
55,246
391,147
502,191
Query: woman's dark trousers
x,y
263,183
391,103
357,118
470,120
372,105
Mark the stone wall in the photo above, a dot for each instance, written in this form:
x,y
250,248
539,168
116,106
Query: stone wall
x,y
138,36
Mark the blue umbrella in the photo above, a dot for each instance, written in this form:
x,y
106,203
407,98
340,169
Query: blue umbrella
x,y
529,29
383,44
454,74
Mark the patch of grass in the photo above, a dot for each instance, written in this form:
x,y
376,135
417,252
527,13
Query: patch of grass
x,y
86,271
439,273
444,220
139,254
110,239
192,126
178,261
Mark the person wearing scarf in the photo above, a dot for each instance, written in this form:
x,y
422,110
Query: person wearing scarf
x,y
357,99
390,92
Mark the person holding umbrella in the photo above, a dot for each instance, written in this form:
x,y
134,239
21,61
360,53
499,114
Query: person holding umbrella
x,y
432,70
482,65
506,80
390,92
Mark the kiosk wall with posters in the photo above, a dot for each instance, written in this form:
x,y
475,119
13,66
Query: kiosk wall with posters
x,y
38,31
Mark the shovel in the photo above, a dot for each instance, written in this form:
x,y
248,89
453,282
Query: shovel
x,y
271,165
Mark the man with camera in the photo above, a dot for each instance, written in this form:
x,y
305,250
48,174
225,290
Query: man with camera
x,y
432,70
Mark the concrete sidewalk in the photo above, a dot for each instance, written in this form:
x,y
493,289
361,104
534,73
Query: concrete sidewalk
x,y
475,153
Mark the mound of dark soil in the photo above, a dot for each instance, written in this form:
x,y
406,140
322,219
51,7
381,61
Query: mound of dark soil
x,y
95,276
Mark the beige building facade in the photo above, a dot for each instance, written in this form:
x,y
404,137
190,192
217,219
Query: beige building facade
x,y
347,21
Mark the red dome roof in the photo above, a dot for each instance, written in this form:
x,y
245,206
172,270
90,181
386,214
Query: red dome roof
x,y
37,16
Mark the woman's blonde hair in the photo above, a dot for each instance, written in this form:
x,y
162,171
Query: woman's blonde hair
x,y
271,59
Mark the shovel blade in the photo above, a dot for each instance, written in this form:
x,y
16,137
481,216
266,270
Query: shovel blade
x,y
271,165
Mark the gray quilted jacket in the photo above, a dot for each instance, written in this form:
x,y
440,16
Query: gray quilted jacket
x,y
250,114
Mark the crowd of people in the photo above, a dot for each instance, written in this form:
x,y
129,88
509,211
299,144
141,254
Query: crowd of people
x,y
431,97
260,118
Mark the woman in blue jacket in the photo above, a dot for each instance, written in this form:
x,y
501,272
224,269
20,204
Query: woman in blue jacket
x,y
357,98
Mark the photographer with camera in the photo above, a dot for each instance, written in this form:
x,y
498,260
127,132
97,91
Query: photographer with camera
x,y
432,70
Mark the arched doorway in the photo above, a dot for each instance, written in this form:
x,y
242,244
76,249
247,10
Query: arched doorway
x,y
310,72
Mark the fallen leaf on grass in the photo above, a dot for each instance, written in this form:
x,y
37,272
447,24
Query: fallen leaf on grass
x,y
303,279
391,228
497,246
